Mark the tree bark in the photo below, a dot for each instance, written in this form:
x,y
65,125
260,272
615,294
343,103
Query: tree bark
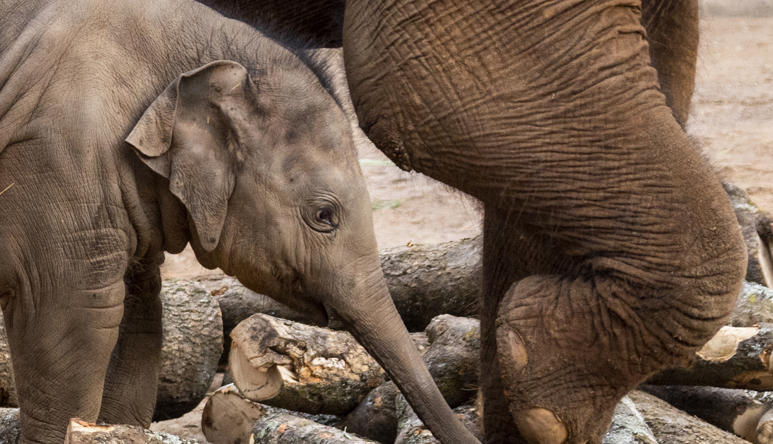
x,y
754,306
10,427
673,426
191,349
80,432
628,426
757,234
8,395
282,428
229,417
453,356
736,357
410,429
429,280
375,417
300,367
732,410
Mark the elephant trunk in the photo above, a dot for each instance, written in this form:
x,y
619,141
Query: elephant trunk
x,y
372,317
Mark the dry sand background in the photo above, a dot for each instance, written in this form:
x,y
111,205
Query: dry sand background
x,y
732,118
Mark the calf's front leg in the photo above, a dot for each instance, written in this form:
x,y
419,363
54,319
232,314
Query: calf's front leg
x,y
60,344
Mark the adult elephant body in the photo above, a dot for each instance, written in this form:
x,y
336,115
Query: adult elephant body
x,y
610,249
130,127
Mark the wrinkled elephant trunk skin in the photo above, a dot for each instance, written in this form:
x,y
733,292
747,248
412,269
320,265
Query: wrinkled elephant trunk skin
x,y
372,317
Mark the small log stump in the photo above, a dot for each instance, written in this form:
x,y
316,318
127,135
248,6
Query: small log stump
x,y
300,367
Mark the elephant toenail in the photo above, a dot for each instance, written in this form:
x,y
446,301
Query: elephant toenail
x,y
540,426
512,348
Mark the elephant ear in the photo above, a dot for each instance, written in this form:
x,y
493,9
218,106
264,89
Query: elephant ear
x,y
191,135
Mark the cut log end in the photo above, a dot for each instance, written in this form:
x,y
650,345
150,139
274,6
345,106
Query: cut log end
x,y
255,383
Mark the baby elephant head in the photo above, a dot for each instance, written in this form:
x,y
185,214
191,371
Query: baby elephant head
x,y
266,170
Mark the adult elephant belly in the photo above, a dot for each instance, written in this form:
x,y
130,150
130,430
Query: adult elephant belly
x,y
610,249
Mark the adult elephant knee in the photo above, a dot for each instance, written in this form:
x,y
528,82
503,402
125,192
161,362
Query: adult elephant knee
x,y
553,116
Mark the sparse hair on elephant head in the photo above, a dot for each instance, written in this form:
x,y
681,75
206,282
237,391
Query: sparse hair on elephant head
x,y
192,128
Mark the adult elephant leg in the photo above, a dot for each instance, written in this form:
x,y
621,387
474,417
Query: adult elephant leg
x,y
132,378
551,113
672,32
511,252
652,265
60,345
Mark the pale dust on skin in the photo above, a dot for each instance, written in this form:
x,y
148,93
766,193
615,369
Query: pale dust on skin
x,y
731,114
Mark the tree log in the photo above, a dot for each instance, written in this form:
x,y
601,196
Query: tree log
x,y
80,432
10,426
191,349
732,410
673,426
429,280
282,428
410,429
628,426
300,367
753,306
736,357
757,234
453,356
228,417
375,417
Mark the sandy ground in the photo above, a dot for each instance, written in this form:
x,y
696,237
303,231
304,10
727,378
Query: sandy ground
x,y
732,118
732,110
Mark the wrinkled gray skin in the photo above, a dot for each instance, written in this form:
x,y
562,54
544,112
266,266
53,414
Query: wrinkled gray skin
x,y
233,146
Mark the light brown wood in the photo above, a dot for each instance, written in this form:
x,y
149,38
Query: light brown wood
x,y
320,370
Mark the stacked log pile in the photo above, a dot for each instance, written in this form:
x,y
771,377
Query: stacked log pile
x,y
294,382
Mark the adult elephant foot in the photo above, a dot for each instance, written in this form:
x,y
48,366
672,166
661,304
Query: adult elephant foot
x,y
569,348
563,367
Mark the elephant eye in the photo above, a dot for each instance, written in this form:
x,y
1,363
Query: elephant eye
x,y
323,217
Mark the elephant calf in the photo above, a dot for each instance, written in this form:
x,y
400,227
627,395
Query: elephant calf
x,y
129,128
